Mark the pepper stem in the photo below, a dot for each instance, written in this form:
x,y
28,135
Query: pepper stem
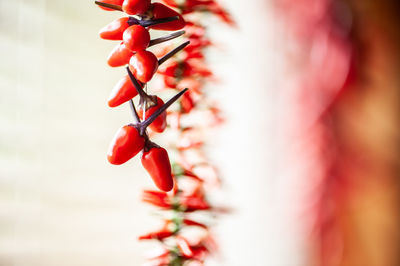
x,y
134,113
159,111
153,22
166,38
172,53
143,95
111,6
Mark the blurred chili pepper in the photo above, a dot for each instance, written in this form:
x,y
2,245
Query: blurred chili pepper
x,y
156,198
184,247
164,232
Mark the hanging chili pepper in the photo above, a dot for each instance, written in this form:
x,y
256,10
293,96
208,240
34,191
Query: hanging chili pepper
x,y
162,11
115,29
156,198
136,38
113,2
156,162
119,56
160,234
143,65
122,92
134,7
194,223
126,143
187,103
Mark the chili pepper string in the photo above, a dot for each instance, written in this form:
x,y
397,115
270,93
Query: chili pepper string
x,y
183,238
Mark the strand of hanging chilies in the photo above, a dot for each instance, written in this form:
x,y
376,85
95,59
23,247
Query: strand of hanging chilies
x,y
191,169
183,239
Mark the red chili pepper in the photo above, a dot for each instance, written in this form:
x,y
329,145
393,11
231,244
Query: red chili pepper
x,y
160,124
119,56
143,65
115,29
126,143
136,38
194,203
160,234
187,103
156,162
162,11
134,7
194,223
123,91
113,2
157,198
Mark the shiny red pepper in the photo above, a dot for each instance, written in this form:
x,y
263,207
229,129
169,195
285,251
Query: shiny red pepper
x,y
113,2
134,7
160,124
156,162
143,65
136,38
126,143
122,92
119,56
162,11
115,29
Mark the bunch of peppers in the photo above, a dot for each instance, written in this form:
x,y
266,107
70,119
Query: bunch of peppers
x,y
181,184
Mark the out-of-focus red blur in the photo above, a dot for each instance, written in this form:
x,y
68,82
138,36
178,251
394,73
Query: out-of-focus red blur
x,y
345,67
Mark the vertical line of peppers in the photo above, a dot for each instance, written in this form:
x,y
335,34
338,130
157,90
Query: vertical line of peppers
x,y
180,184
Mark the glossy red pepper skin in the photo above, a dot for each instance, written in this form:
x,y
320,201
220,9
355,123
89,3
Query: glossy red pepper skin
x,y
160,124
114,30
122,92
136,38
133,7
143,65
113,2
119,56
126,143
162,11
156,162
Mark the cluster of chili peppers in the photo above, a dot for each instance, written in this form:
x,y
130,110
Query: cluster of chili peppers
x,y
182,183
